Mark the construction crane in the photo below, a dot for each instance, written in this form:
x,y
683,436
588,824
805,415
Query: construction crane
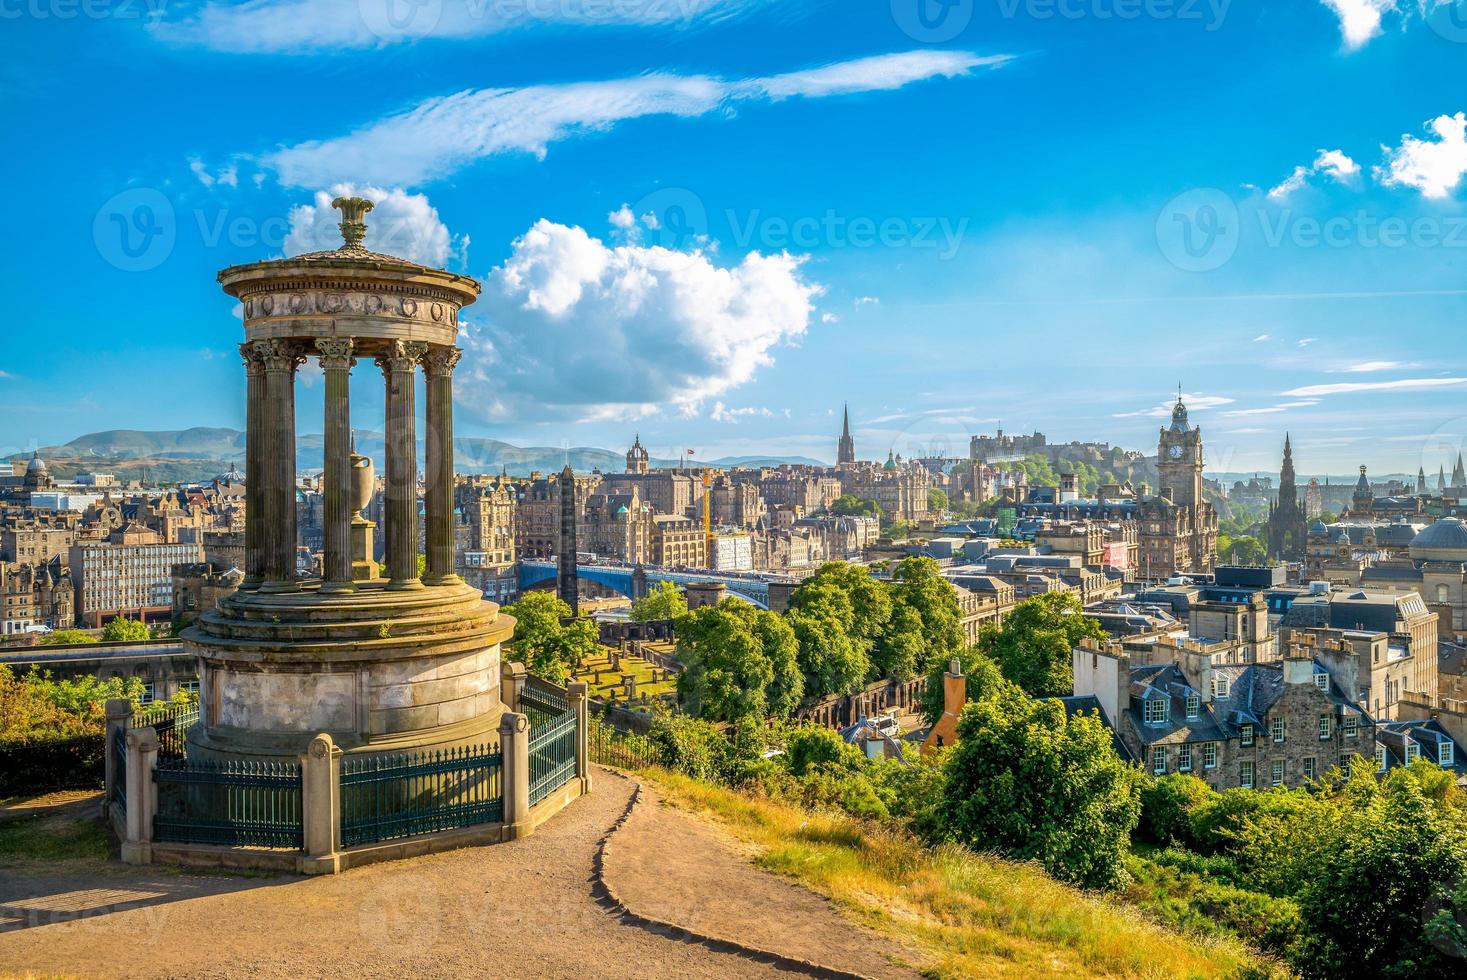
x,y
708,516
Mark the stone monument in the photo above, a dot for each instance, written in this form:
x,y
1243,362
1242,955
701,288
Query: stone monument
x,y
385,662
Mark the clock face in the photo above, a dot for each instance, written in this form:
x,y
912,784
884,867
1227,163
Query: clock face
x,y
1176,452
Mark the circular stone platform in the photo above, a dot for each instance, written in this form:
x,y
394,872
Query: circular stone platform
x,y
379,670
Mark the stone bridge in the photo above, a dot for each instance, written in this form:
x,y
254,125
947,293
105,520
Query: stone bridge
x,y
621,578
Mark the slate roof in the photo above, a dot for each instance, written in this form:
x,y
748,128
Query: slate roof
x,y
1428,736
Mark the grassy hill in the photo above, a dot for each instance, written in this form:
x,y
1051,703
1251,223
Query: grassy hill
x,y
971,915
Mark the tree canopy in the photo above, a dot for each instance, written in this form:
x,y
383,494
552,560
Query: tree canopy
x,y
122,630
1034,645
663,601
740,662
66,638
545,637
849,505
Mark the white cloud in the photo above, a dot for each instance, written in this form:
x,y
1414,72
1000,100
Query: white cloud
x,y
1271,409
400,224
571,327
731,416
867,301
829,318
6,376
1350,387
302,26
1433,167
1359,19
1305,341
1260,338
445,133
622,218
1367,367
1164,409
1332,163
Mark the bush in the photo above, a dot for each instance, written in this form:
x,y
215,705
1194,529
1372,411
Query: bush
x,y
1167,807
808,746
693,747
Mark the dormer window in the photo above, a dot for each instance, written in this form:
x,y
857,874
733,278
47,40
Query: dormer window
x,y
1413,752
1446,753
1220,685
1321,680
1194,705
1155,711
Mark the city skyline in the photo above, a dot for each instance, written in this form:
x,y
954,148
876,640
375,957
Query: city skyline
x,y
1054,265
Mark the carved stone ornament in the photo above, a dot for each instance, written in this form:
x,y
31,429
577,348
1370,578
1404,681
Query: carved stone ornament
x,y
440,361
401,356
335,353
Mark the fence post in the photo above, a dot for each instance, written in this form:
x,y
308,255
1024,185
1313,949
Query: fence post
x,y
119,711
321,807
514,747
575,693
142,800
512,684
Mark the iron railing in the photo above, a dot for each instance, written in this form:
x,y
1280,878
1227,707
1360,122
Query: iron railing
x,y
542,701
118,748
172,729
552,754
610,747
386,797
237,804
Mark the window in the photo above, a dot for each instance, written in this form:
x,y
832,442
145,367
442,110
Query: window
x,y
1247,738
1380,758
191,686
1220,685
1276,773
1413,752
1184,758
1194,705
148,694
1158,759
1352,726
1309,767
1278,729
1446,753
1155,711
1324,726
1321,680
1209,755
1245,775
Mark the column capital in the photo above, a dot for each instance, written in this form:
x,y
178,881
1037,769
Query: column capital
x,y
254,358
401,355
336,352
280,355
439,362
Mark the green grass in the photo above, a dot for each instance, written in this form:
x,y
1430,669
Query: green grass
x,y
47,840
964,914
610,684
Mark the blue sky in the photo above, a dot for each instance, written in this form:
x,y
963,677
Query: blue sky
x,y
714,221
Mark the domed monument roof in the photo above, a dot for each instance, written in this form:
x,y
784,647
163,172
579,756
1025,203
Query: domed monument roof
x,y
1446,540
37,466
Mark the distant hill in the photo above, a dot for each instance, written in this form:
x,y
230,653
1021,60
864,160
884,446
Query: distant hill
x,y
200,454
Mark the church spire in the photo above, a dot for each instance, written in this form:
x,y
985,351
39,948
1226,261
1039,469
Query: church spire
x,y
846,448
1459,477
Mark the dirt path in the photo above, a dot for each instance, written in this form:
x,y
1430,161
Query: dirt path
x,y
667,866
524,909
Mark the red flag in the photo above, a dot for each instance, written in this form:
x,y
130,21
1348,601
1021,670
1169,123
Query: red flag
x,y
691,452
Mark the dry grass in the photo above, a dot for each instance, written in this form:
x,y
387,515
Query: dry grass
x,y
964,914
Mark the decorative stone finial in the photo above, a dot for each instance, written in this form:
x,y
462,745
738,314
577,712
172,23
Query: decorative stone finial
x,y
353,227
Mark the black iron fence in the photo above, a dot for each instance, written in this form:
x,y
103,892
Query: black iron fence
x,y
387,797
237,804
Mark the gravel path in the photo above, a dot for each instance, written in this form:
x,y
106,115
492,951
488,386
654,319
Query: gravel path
x,y
523,909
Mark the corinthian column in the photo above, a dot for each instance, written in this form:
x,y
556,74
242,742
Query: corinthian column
x,y
281,358
254,466
336,361
438,368
399,364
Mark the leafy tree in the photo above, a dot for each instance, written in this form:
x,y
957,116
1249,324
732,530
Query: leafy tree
x,y
1241,550
937,499
870,598
549,641
67,638
1029,782
849,505
898,530
122,630
664,601
832,663
925,609
1329,517
740,663
982,680
1034,645
809,746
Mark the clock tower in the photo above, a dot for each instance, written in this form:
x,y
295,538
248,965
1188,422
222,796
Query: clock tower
x,y
1179,459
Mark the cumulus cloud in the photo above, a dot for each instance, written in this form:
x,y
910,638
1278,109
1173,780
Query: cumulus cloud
x,y
304,26
1359,19
1334,164
444,134
1351,387
1432,166
571,327
400,224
